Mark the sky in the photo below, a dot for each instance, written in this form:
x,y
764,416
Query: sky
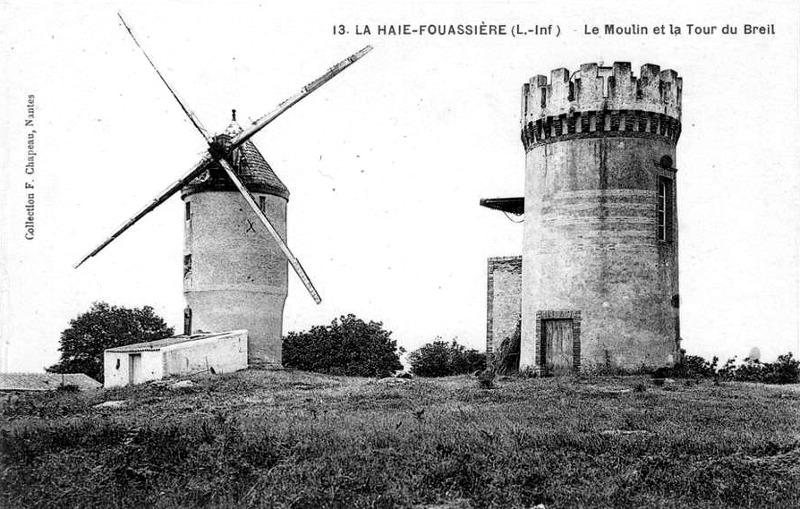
x,y
386,163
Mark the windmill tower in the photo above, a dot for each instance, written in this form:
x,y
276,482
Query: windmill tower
x,y
234,277
235,251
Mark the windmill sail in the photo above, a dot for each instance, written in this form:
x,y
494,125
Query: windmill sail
x,y
293,261
221,153
189,113
196,170
291,101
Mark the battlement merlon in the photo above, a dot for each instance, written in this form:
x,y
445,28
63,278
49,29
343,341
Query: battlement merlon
x,y
596,88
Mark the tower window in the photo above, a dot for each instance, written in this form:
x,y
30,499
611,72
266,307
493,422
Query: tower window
x,y
664,209
188,209
187,265
262,204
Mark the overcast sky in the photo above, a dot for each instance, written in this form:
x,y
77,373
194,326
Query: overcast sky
x,y
386,163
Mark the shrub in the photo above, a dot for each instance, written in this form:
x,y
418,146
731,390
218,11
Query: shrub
x,y
486,380
786,370
506,359
440,358
348,346
693,366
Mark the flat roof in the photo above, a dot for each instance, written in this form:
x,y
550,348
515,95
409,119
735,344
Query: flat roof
x,y
511,205
151,346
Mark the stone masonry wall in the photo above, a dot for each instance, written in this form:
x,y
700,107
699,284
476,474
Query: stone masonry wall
x,y
504,299
597,145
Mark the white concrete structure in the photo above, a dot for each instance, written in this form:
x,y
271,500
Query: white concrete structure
x,y
176,356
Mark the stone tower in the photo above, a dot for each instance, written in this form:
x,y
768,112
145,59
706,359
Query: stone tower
x,y
597,283
600,248
235,276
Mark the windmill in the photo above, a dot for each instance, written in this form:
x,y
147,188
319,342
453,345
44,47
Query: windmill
x,y
235,251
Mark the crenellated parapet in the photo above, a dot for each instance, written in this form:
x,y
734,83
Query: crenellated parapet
x,y
601,101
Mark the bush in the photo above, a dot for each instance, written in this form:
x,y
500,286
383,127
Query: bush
x,y
348,346
440,358
691,366
696,366
786,370
506,358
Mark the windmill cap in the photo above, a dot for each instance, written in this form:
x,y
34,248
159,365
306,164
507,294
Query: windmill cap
x,y
248,163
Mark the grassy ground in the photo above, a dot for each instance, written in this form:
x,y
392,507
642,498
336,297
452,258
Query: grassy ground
x,y
292,439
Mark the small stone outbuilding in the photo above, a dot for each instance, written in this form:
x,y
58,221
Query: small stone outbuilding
x,y
176,356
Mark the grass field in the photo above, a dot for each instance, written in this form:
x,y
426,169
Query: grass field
x,y
293,439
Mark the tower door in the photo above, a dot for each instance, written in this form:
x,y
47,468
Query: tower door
x,y
557,346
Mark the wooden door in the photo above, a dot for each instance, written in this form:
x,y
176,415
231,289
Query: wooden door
x,y
557,343
134,368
